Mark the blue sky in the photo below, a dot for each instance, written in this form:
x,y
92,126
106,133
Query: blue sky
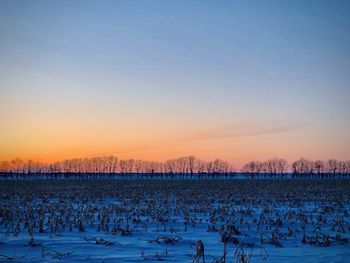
x,y
175,69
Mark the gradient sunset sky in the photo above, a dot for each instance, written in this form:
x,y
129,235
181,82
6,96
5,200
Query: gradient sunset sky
x,y
236,80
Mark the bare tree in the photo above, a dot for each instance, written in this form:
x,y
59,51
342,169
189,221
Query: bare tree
x,y
252,168
320,167
332,166
191,164
200,167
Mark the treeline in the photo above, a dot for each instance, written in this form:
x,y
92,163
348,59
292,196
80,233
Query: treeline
x,y
275,167
300,168
111,165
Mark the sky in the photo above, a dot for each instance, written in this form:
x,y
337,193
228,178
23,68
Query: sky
x,y
236,80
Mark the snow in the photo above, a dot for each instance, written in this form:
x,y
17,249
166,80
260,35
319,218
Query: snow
x,y
141,245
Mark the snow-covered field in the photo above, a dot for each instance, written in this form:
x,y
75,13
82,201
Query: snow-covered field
x,y
134,221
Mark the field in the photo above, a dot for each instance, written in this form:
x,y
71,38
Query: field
x,y
175,220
